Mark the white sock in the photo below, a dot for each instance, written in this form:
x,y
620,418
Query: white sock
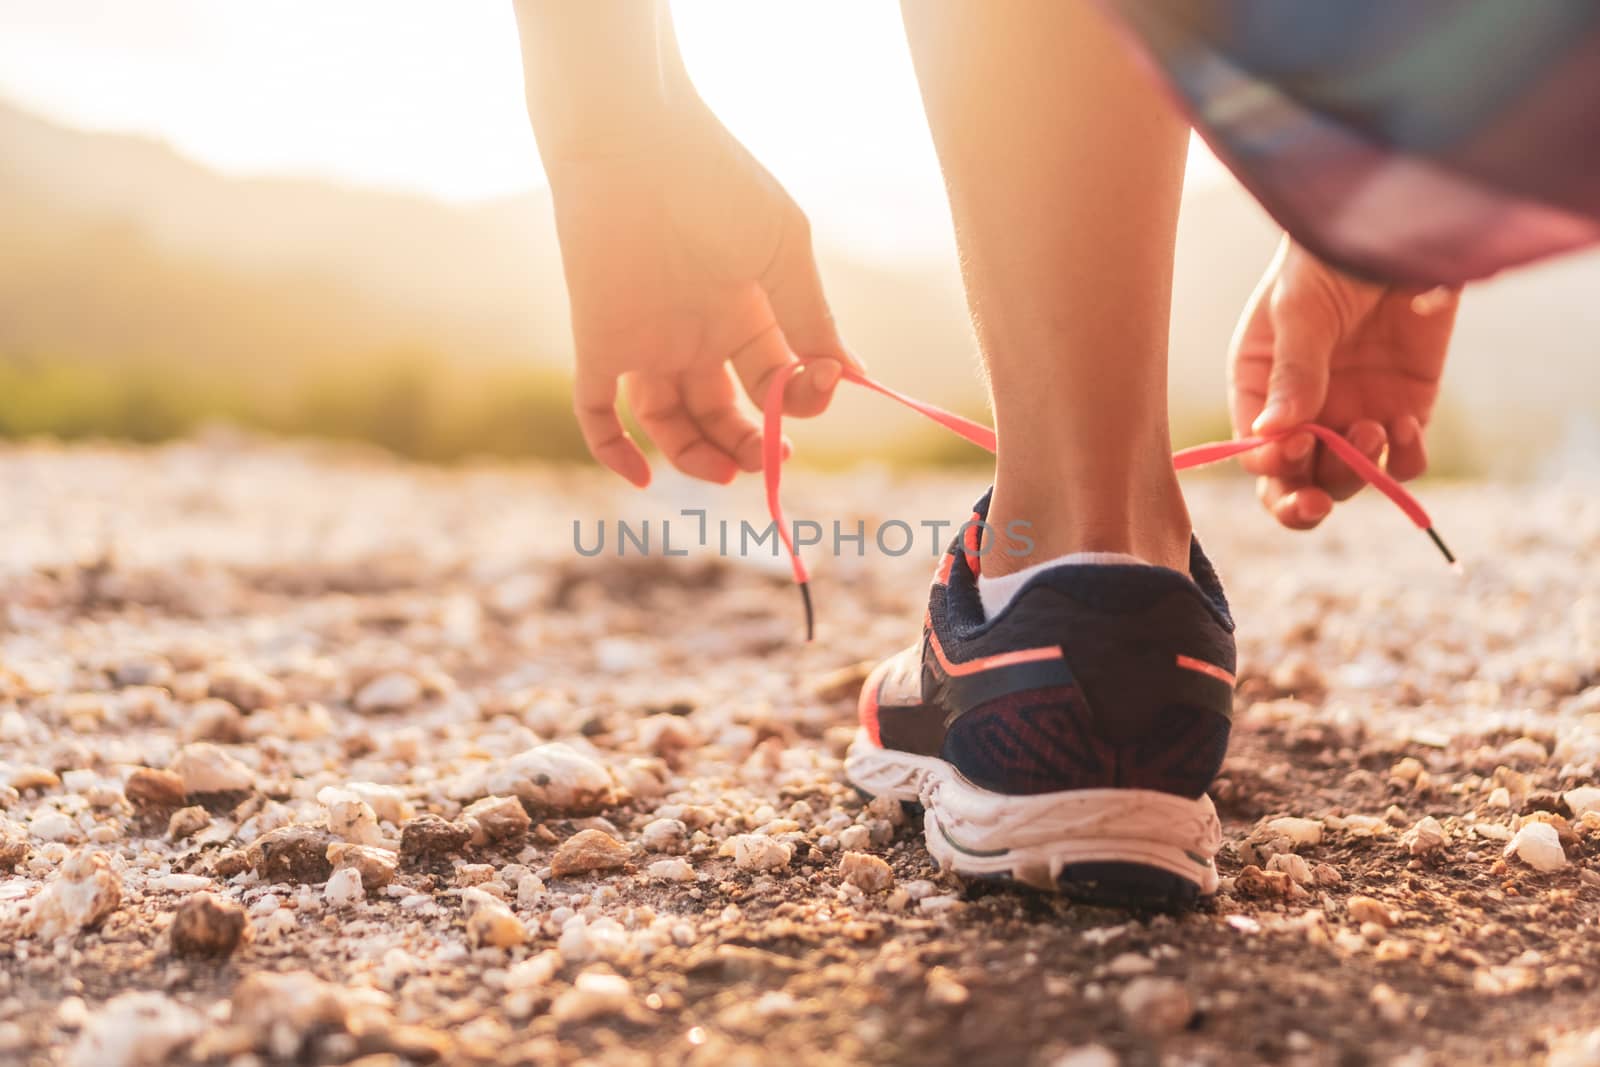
x,y
997,593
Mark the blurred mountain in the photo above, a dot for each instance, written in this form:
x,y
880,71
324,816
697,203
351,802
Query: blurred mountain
x,y
115,247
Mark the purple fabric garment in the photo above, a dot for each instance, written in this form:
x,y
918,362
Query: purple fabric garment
x,y
1426,142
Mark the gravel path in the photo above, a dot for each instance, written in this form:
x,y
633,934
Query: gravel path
x,y
307,757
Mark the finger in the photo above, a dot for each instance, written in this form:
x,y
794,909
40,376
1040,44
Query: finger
x,y
794,290
658,405
1436,300
809,389
1289,460
1304,333
1336,476
1408,453
713,404
1296,508
594,402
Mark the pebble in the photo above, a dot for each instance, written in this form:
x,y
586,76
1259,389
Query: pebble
x,y
1426,837
1156,1006
1582,800
245,687
186,822
495,819
664,835
135,1030
81,895
345,888
1293,865
429,837
150,789
944,989
1364,909
292,854
867,872
757,852
204,768
207,925
52,825
178,883
593,995
279,1012
553,778
1300,832
14,847
387,801
394,691
1129,965
1538,844
854,838
350,818
376,866
588,850
676,869
490,923
1086,1056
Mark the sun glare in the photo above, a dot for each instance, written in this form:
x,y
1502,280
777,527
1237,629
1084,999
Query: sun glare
x,y
426,97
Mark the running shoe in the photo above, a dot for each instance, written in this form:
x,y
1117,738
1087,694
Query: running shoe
x,y
1068,742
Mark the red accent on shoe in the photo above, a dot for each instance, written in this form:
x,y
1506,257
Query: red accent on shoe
x,y
1210,670
986,663
867,703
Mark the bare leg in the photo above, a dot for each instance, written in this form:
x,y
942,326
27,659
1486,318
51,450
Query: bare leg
x,y
1064,166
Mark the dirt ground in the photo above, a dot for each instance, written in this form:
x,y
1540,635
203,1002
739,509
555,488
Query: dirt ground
x,y
253,699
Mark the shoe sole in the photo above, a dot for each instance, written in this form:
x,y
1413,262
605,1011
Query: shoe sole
x,y
1125,847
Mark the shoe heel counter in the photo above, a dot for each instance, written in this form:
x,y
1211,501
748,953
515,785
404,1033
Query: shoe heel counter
x,y
1149,706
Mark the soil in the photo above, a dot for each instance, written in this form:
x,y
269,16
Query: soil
x,y
329,648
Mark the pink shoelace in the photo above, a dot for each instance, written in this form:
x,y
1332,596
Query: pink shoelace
x,y
983,437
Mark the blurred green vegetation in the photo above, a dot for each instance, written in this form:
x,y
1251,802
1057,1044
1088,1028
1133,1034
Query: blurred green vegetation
x,y
416,404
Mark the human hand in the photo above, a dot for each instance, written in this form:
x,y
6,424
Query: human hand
x,y
1364,360
688,265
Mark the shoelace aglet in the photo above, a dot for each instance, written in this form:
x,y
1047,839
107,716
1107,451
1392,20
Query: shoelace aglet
x,y
1449,556
805,598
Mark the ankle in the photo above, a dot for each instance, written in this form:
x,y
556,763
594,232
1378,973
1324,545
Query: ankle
x,y
1031,526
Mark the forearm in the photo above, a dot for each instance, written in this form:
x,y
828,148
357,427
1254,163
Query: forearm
x,y
601,75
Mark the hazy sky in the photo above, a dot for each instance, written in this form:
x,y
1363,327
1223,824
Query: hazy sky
x,y
425,95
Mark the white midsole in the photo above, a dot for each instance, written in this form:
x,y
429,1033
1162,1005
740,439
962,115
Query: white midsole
x,y
976,831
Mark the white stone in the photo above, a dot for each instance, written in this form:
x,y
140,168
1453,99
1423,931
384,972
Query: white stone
x,y
757,852
1156,1006
854,838
1130,964
1086,1056
1583,799
673,870
180,883
1300,832
490,923
1539,846
344,888
135,1030
554,777
388,802
1426,837
350,818
594,994
205,768
394,691
52,825
82,894
664,835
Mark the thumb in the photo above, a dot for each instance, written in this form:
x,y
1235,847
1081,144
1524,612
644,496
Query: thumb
x,y
794,292
1311,311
